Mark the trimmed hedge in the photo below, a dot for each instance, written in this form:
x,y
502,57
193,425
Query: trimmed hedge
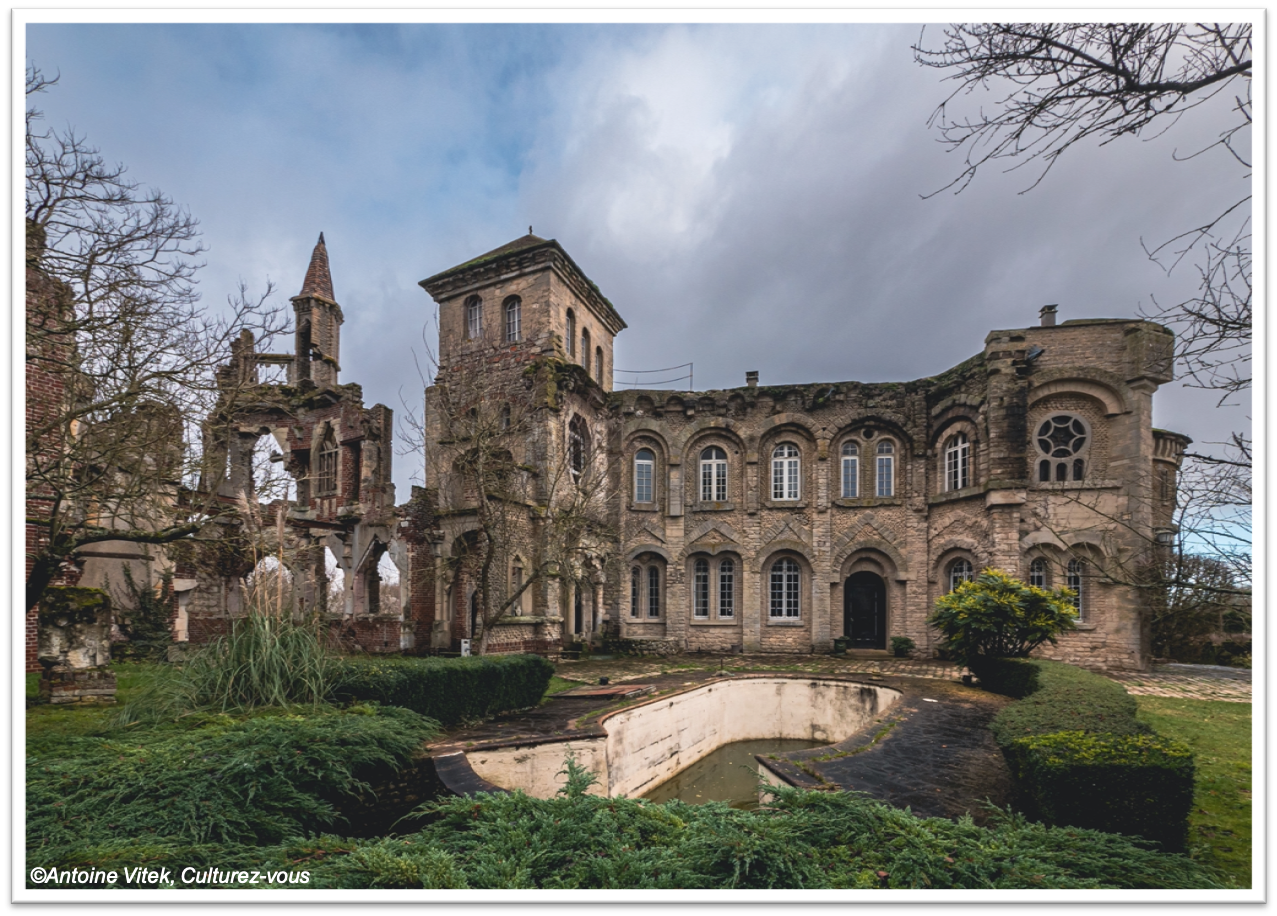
x,y
1079,757
450,690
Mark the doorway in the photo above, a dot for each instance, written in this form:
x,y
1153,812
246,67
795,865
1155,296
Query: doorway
x,y
578,615
865,611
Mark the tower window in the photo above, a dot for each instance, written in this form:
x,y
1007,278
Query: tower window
x,y
474,317
653,592
1037,573
326,465
961,571
1063,439
598,364
636,577
727,588
513,320
585,348
578,447
569,335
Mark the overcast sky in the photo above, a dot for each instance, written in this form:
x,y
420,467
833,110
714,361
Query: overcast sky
x,y
749,197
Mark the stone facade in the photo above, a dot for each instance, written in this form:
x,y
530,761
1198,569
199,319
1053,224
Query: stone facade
x,y
776,519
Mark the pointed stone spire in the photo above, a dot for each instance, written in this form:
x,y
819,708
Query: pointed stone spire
x,y
319,281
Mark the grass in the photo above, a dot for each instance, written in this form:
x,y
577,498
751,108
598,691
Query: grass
x,y
1220,735
49,726
558,685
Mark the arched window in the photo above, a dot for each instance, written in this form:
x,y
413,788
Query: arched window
x,y
886,468
474,317
505,416
727,588
957,463
786,589
850,470
598,364
644,462
636,580
713,475
653,591
585,348
960,571
1076,572
578,447
513,320
700,589
516,583
569,334
1037,573
785,472
326,465
1063,439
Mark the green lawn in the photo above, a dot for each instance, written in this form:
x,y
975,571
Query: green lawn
x,y
1220,735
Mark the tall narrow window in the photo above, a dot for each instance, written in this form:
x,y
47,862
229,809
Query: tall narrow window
x,y
785,589
653,592
513,320
700,589
957,463
1077,569
517,584
636,577
598,365
1037,573
569,334
474,317
785,472
585,348
713,475
326,465
961,571
644,461
886,469
578,447
727,588
850,470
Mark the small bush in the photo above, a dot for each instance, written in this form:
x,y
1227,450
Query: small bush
x,y
998,616
450,690
901,646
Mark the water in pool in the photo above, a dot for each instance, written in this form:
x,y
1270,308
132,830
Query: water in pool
x,y
729,774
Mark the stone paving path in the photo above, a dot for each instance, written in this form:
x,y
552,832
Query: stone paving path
x,y
1193,682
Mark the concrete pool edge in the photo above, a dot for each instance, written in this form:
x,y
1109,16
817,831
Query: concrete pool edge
x,y
629,754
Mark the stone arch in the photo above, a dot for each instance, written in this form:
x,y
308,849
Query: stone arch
x,y
1099,384
764,556
633,553
685,442
949,550
851,545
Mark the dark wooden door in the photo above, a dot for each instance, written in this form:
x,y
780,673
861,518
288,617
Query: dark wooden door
x,y
865,611
578,615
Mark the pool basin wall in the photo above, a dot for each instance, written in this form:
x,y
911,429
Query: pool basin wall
x,y
648,743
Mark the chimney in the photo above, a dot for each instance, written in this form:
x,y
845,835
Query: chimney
x,y
1048,315
751,378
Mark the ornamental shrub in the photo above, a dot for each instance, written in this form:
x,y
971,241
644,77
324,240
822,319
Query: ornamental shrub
x,y
450,690
997,616
1136,784
1079,757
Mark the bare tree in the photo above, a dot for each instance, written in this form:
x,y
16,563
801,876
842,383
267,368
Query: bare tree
x,y
121,357
1069,82
519,472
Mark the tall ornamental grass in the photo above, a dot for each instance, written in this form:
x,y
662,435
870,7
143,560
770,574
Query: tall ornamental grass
x,y
265,660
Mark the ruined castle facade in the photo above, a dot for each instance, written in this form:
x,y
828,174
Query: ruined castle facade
x,y
558,512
